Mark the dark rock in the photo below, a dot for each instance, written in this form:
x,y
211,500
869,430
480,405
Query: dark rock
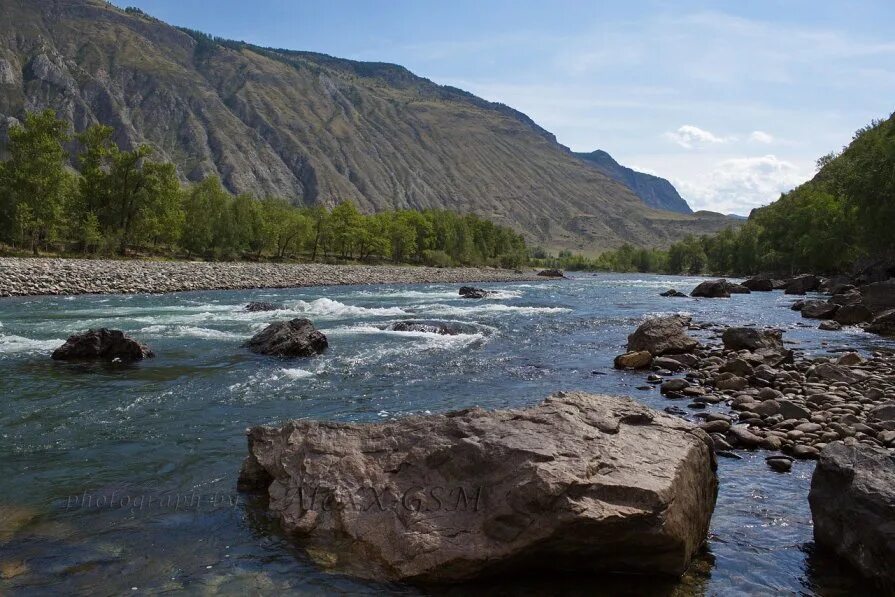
x,y
102,344
883,324
674,385
791,410
295,338
673,292
781,464
852,502
739,289
803,284
830,326
883,412
852,314
574,479
713,289
819,309
662,335
552,273
759,284
743,338
852,297
256,306
797,305
667,363
428,327
879,296
472,293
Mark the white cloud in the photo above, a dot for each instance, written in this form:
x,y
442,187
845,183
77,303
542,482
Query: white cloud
x,y
761,137
689,136
737,185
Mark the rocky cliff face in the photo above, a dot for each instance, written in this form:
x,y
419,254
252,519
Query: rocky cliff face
x,y
313,128
653,190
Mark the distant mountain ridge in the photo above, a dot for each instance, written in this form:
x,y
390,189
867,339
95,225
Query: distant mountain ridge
x,y
655,191
313,128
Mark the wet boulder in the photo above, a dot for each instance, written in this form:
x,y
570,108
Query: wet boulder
x,y
759,284
883,324
662,335
671,292
596,483
713,289
258,306
803,284
829,326
633,360
852,314
819,309
745,338
427,327
102,345
852,502
472,293
879,296
295,338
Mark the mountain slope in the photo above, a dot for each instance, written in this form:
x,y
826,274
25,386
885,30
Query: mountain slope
x,y
313,128
654,191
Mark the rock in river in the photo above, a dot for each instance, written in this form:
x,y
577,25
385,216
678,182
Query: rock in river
x,y
853,506
715,289
256,306
472,293
802,284
633,360
662,335
295,338
102,344
752,339
578,483
819,309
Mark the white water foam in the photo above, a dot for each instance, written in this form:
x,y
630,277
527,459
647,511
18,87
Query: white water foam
x,y
188,331
11,344
328,308
422,340
495,308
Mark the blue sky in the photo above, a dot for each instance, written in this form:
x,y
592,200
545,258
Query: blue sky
x,y
731,101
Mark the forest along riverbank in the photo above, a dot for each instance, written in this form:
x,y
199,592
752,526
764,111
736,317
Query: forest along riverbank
x,y
36,276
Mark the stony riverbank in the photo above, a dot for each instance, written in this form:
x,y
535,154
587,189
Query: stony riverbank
x,y
24,277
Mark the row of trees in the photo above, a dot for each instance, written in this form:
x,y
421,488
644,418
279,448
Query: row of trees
x,y
120,200
844,216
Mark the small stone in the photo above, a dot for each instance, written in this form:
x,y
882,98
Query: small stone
x,y
781,464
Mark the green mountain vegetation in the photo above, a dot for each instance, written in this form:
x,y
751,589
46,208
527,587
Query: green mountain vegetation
x,y
313,129
845,215
119,200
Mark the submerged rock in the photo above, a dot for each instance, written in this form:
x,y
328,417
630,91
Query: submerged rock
x,y
102,344
295,338
582,483
852,502
428,327
662,335
256,306
673,293
472,293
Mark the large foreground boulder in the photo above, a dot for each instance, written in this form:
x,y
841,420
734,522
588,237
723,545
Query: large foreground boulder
x,y
662,335
295,338
853,506
578,483
744,338
102,345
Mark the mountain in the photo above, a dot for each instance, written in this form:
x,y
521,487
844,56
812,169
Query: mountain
x,y
653,190
313,128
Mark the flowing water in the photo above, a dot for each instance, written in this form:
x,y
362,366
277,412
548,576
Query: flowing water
x,y
122,478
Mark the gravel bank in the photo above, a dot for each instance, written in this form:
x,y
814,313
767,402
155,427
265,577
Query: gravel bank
x,y
24,277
